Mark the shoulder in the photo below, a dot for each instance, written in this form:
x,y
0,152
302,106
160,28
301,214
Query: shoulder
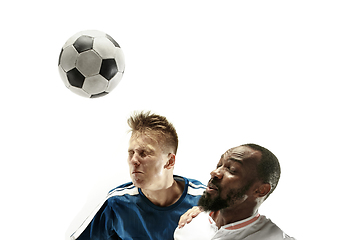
x,y
199,228
124,189
271,229
194,187
195,183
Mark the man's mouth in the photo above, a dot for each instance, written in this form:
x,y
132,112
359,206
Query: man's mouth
x,y
211,188
136,175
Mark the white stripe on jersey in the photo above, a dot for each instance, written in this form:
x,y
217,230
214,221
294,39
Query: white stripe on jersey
x,y
131,190
195,190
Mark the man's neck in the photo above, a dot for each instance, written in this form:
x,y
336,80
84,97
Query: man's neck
x,y
165,197
227,216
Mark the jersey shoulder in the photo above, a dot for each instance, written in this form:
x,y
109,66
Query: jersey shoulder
x,y
195,187
271,229
195,182
124,189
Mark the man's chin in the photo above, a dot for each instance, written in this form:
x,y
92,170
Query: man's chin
x,y
138,182
212,203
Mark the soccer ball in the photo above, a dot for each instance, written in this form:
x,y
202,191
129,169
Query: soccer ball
x,y
91,63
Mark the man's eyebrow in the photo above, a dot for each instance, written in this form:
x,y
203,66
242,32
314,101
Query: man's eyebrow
x,y
236,160
235,156
149,150
143,148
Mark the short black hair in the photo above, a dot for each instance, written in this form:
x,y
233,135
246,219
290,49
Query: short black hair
x,y
268,168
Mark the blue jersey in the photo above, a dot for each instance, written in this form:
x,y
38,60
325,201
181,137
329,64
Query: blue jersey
x,y
127,214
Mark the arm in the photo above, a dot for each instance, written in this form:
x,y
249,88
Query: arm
x,y
189,215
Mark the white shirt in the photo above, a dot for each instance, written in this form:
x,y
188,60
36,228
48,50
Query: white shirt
x,y
256,227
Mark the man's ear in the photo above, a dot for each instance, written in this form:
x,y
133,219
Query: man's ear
x,y
171,161
263,190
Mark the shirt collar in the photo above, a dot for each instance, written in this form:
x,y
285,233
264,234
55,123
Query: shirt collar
x,y
238,224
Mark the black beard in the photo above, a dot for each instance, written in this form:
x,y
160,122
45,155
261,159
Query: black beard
x,y
218,203
209,204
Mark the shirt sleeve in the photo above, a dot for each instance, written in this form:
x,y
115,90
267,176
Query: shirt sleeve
x,y
100,226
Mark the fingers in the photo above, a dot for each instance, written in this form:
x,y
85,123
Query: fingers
x,y
188,216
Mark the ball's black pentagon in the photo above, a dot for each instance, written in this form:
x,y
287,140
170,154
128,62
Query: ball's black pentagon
x,y
60,56
108,68
98,95
113,41
83,43
76,79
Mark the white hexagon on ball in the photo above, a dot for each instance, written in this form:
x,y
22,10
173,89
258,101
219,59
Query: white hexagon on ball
x,y
88,63
79,91
104,47
95,84
69,56
120,60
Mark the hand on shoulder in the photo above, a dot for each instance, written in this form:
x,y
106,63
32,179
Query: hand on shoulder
x,y
189,215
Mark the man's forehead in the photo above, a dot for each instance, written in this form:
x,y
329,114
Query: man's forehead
x,y
142,142
239,153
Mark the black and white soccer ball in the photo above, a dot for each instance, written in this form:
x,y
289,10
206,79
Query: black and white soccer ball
x,y
91,63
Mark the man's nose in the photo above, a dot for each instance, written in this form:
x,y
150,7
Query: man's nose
x,y
217,173
134,160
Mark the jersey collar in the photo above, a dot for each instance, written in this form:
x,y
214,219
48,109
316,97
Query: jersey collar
x,y
238,224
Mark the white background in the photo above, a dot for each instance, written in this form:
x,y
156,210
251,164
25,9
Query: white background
x,y
282,74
